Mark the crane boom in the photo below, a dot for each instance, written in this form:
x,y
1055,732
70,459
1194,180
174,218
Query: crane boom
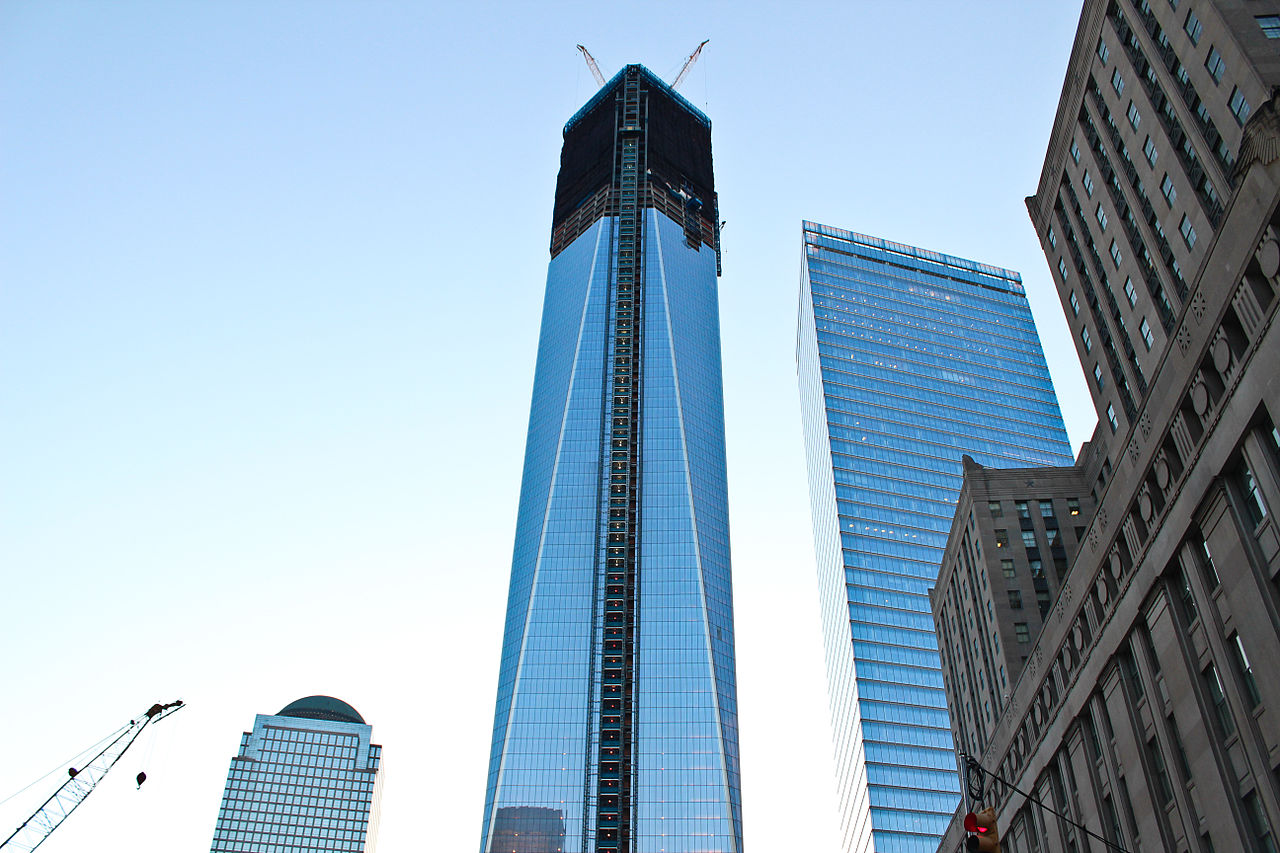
x,y
591,63
688,63
81,783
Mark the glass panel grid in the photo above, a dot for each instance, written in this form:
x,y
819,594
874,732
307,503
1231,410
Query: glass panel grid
x,y
908,359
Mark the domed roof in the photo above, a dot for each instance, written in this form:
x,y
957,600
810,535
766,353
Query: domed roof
x,y
322,708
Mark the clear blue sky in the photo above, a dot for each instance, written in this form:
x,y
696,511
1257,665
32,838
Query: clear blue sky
x,y
270,280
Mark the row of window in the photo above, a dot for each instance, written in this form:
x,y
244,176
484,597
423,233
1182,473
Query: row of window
x,y
271,733
1053,534
996,508
1117,258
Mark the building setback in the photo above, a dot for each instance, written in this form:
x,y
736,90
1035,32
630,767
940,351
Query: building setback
x,y
1142,712
1015,533
616,720
305,779
907,359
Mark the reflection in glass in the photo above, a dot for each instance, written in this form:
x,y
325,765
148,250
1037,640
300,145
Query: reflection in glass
x,y
908,359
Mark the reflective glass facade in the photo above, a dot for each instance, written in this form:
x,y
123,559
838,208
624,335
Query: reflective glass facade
x,y
305,779
908,359
616,718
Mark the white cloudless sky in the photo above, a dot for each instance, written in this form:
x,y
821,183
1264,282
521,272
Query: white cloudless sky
x,y
270,281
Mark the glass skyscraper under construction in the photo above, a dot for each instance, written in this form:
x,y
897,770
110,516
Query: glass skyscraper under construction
x,y
908,359
616,719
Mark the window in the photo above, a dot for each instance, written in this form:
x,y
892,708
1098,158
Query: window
x,y
1223,711
1190,151
1006,567
1188,232
1087,180
1103,51
1193,26
1135,118
1246,672
1130,292
1053,238
1002,538
1148,338
1117,82
1037,568
1130,668
1210,194
1029,539
1111,418
1253,503
1075,304
1181,72
1223,150
1187,597
1075,151
1054,535
1098,377
1101,216
1073,506
1239,106
1270,25
1162,775
1023,511
1258,822
1210,570
1015,599
1021,633
1168,190
1116,256
1086,339
1215,64
1150,152
1046,509
1042,601
1062,268
995,509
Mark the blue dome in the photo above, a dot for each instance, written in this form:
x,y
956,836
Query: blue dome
x,y
322,708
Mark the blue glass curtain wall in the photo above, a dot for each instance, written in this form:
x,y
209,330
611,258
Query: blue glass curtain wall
x,y
907,360
543,761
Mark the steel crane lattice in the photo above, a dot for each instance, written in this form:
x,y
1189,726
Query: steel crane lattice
x,y
81,783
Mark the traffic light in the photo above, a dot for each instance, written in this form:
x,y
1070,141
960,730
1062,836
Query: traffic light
x,y
982,832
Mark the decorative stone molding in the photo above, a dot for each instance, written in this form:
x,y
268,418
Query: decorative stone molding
x,y
1260,141
1199,305
1184,338
1220,349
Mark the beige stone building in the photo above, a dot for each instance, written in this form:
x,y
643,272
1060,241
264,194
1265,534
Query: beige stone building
x,y
1148,708
1015,533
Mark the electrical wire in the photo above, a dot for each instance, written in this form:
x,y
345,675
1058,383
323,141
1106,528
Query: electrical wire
x,y
971,762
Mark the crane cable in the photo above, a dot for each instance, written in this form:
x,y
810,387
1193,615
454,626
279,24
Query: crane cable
x,y
64,764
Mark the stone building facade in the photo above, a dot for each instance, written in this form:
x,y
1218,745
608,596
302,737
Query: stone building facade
x,y
1015,533
1144,713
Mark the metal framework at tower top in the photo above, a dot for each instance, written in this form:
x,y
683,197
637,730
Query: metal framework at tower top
x,y
618,623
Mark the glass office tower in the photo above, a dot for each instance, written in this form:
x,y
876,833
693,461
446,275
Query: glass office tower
x,y
305,779
908,359
616,719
